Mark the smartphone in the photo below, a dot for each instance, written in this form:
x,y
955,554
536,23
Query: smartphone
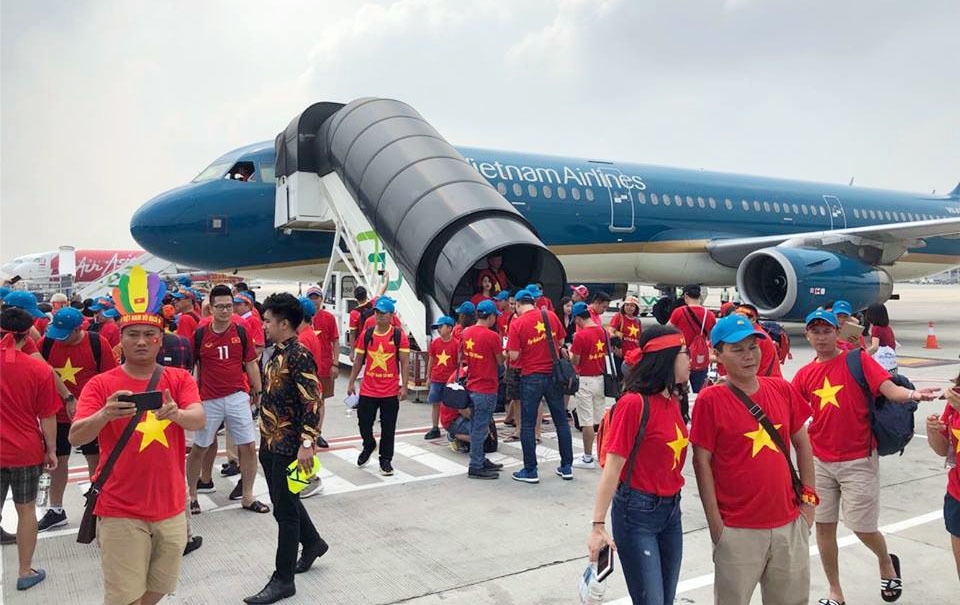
x,y
148,400
604,563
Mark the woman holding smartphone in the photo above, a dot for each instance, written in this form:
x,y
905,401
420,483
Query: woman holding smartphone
x,y
943,435
642,472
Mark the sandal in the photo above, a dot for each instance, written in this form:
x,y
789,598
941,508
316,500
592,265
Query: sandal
x,y
257,507
892,588
511,439
194,507
831,602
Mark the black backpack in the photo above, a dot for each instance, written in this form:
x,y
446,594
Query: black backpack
x,y
892,423
92,337
368,339
366,311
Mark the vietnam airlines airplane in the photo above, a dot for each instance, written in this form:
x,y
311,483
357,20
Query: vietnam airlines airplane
x,y
788,245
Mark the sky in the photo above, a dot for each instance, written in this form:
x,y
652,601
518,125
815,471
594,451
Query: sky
x,y
105,104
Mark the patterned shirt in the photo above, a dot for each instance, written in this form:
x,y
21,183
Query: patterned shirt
x,y
290,399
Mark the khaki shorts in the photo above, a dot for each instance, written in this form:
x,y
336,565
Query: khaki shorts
x,y
140,556
589,400
852,485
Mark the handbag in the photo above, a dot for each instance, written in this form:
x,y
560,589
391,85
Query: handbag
x,y
88,524
563,371
455,393
611,384
491,443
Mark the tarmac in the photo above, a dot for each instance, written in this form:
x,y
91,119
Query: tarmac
x,y
428,535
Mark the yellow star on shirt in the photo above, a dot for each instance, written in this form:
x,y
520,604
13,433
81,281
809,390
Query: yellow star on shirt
x,y
153,430
540,327
68,373
379,358
761,439
442,358
600,346
677,445
828,394
956,433
468,343
634,330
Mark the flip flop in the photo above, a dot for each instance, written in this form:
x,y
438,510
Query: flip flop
x,y
511,439
257,507
892,588
831,602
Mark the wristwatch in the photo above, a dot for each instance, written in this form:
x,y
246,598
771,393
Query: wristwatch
x,y
307,443
69,397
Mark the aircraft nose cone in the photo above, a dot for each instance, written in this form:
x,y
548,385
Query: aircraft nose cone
x,y
157,224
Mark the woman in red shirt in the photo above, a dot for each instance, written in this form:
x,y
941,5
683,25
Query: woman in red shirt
x,y
943,436
486,290
642,473
883,343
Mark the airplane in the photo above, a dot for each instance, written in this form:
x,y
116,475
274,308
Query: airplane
x,y
788,245
91,265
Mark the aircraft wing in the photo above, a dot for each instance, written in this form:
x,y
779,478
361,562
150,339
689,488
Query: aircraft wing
x,y
874,244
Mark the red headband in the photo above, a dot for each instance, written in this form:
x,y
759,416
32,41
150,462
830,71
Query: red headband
x,y
667,341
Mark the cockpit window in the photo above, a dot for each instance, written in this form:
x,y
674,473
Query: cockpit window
x,y
242,171
267,172
211,172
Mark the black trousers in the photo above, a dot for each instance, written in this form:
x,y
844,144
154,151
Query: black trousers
x,y
367,414
294,526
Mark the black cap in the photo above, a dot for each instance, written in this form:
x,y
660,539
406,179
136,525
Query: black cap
x,y
692,290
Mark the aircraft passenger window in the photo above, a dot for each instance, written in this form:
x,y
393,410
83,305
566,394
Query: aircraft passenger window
x,y
776,207
689,201
795,209
642,197
856,213
887,214
766,206
903,216
517,189
823,211
666,199
561,192
713,203
803,209
746,205
786,208
267,173
678,200
728,204
547,192
589,195
242,171
654,199
701,203
873,215
501,188
756,206
532,190
575,193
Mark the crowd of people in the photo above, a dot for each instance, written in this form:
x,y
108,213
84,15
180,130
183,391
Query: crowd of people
x,y
221,360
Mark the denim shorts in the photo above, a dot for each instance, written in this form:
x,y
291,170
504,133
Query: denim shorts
x,y
460,426
951,515
435,394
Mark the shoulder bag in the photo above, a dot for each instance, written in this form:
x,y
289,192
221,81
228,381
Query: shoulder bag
x,y
563,371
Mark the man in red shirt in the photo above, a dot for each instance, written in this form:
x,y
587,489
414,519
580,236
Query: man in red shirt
x,y
539,300
466,317
229,380
598,306
106,317
482,354
496,273
769,358
142,528
184,301
442,355
243,305
847,466
695,322
589,354
328,364
76,356
528,344
759,528
28,429
384,357
579,294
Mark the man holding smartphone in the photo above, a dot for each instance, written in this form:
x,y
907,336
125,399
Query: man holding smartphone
x,y
142,527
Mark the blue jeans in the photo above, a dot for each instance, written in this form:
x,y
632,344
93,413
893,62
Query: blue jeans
x,y
482,404
697,378
649,539
532,389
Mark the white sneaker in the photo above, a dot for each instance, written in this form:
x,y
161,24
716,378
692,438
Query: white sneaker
x,y
583,463
314,488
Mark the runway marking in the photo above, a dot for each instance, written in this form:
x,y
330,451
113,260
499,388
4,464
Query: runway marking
x,y
707,579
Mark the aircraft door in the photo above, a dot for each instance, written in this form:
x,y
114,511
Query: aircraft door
x,y
621,201
838,218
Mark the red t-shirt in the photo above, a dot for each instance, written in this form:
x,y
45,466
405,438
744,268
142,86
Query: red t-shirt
x,y
372,322
769,358
680,318
354,323
27,393
328,335
528,335
186,326
76,365
885,334
543,303
448,414
841,417
444,356
658,466
381,372
29,346
503,323
254,326
590,344
753,483
111,331
481,345
629,328
41,324
951,418
478,298
147,481
308,338
221,358
498,277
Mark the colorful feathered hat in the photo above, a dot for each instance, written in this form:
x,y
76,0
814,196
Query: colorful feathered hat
x,y
139,298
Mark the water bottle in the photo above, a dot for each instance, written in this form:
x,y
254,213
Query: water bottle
x,y
591,589
43,492
348,411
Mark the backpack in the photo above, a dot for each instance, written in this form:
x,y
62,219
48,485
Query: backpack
x,y
892,423
779,336
365,312
92,337
198,341
699,351
604,428
368,339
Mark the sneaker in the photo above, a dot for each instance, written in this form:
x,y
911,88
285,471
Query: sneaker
x,y
433,433
582,462
229,469
322,443
313,488
52,519
491,466
7,538
386,469
193,544
205,488
364,457
526,476
237,493
483,474
32,580
565,472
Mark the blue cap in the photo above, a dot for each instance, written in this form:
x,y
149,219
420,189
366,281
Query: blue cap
x,y
733,328
4,291
524,295
101,303
535,290
487,307
445,320
385,304
825,316
64,322
112,314
184,280
243,298
23,300
309,309
503,295
466,308
842,306
579,308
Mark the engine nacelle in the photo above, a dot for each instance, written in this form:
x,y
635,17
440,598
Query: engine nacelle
x,y
789,283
